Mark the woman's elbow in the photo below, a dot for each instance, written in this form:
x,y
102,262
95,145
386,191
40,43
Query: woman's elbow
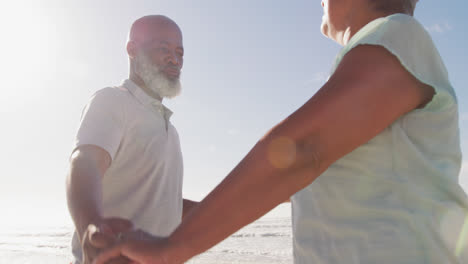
x,y
292,155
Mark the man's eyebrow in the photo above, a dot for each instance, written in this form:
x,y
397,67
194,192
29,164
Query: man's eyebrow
x,y
160,41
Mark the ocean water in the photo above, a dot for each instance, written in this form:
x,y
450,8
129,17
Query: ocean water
x,y
268,240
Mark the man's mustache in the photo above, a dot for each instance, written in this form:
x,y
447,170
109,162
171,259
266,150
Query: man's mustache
x,y
170,67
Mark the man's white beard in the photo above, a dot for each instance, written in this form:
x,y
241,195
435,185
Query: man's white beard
x,y
155,79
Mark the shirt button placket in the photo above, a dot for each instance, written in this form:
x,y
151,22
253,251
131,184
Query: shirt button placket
x,y
160,109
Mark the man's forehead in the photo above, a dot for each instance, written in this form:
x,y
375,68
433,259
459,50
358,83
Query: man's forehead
x,y
160,41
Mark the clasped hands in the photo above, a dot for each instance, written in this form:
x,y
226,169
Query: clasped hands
x,y
115,241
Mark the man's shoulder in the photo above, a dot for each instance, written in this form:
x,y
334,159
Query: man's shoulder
x,y
112,91
115,97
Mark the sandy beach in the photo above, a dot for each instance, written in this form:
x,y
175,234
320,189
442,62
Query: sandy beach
x,y
268,240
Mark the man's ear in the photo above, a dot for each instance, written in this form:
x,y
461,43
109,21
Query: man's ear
x,y
131,49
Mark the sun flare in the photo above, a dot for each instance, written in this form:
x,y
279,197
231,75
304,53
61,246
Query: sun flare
x,y
28,49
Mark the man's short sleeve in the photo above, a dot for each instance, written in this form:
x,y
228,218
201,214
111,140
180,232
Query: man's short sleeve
x,y
102,121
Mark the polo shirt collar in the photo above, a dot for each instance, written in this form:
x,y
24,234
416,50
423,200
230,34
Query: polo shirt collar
x,y
145,99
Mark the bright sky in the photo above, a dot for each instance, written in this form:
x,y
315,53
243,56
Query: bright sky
x,y
248,64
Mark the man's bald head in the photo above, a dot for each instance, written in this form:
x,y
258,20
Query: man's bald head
x,y
146,28
155,50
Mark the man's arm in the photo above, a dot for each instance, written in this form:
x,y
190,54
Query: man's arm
x,y
88,164
188,205
84,185
368,92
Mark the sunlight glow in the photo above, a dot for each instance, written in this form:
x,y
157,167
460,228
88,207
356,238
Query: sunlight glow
x,y
463,238
19,212
282,152
28,52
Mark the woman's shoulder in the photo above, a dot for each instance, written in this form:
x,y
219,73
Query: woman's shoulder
x,y
404,24
399,33
396,28
405,38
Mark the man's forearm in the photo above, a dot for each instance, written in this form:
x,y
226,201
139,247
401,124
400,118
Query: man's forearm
x,y
84,194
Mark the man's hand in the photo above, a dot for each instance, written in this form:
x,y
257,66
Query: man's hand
x,y
138,234
103,234
139,247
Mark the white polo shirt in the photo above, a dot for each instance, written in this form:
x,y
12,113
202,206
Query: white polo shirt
x,y
144,180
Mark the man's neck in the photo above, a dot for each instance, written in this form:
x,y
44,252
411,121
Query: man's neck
x,y
138,81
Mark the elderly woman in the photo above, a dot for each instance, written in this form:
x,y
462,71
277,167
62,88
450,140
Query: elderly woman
x,y
371,160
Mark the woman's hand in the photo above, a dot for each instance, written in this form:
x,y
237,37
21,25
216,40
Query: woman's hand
x,y
140,248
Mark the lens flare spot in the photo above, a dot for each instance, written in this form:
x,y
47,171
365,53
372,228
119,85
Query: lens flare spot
x,y
282,152
463,238
454,230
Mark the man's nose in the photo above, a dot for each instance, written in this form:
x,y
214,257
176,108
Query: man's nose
x,y
173,59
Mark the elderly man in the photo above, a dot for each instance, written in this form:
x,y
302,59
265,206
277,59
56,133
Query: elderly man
x,y
127,162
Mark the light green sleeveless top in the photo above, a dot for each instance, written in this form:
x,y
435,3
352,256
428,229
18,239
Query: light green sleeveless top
x,y
395,199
